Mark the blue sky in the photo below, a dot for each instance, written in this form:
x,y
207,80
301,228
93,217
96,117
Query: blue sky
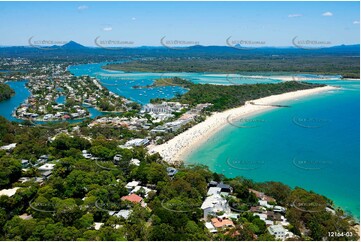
x,y
208,23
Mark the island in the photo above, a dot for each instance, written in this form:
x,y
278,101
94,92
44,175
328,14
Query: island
x,y
5,92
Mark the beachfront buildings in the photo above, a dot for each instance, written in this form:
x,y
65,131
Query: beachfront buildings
x,y
137,142
164,107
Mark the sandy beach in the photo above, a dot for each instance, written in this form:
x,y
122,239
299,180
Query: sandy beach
x,y
185,143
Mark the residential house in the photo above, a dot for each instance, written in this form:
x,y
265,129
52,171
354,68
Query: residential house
x,y
262,196
279,232
222,223
171,171
214,204
131,185
134,198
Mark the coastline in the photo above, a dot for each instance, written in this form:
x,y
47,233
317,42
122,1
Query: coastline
x,y
176,149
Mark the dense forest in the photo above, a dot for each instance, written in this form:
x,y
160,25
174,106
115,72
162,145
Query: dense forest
x,y
5,92
226,97
348,67
81,192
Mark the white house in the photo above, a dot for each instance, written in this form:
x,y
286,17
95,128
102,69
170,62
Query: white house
x,y
279,232
46,167
8,147
214,204
131,185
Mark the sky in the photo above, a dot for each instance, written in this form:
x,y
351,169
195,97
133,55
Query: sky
x,y
205,23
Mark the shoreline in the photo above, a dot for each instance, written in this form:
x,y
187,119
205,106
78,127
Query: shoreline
x,y
176,149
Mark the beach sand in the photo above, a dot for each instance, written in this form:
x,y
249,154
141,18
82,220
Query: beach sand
x,y
180,146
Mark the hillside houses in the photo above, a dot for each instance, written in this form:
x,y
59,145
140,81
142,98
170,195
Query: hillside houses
x,y
218,214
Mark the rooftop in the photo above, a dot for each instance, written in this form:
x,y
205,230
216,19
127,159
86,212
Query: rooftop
x,y
9,192
220,223
134,198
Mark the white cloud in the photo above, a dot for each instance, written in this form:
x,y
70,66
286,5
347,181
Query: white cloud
x,y
295,15
327,14
83,7
108,28
133,18
356,22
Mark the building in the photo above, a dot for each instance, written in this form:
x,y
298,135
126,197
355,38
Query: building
x,y
135,162
142,190
210,227
46,167
124,213
134,198
225,187
214,204
157,108
137,142
171,171
262,196
131,185
222,223
117,158
279,232
25,216
8,147
98,225
25,163
9,192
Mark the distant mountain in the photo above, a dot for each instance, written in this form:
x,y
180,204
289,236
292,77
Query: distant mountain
x,y
75,50
72,45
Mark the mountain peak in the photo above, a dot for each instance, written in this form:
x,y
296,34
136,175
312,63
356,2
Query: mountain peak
x,y
73,45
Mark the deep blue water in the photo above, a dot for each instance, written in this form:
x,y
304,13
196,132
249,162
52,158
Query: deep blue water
x,y
21,94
